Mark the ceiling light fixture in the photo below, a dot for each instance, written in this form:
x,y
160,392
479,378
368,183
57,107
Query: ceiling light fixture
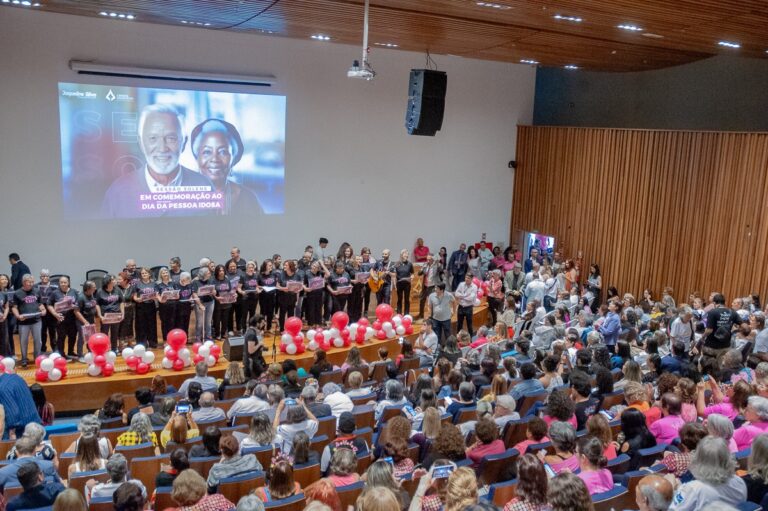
x,y
196,23
529,61
653,36
119,15
387,45
574,19
320,37
571,66
493,5
729,44
630,28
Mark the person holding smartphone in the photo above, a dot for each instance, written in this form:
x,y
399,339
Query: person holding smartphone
x,y
180,427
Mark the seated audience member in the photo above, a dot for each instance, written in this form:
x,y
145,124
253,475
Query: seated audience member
x,y
465,398
70,500
160,387
504,411
397,449
201,376
36,492
535,433
459,490
129,497
260,433
487,443
563,438
731,404
592,463
334,397
87,457
189,492
380,475
529,385
194,392
354,385
207,411
345,438
113,408
603,383
210,445
343,467
488,368
581,391
393,397
43,448
552,377
756,415
139,432
255,400
598,427
117,468
560,407
631,373
232,463
321,364
145,398
715,479
637,398
25,452
719,426
757,470
354,362
531,491
165,409
233,376
566,492
281,484
301,453
322,492
90,425
377,499
298,418
449,445
179,463
291,385
636,436
653,493
309,397
668,427
677,463
687,392
179,429
677,361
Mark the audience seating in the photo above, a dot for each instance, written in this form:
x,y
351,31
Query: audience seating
x,y
742,457
749,506
619,464
130,402
114,422
236,486
172,446
493,465
136,451
529,400
243,419
515,431
334,376
409,364
65,460
221,423
10,492
615,427
409,484
225,404
446,418
632,478
484,391
366,433
466,414
651,455
363,462
306,474
390,412
263,454
413,453
318,443
163,498
78,479
348,494
326,426
112,434
294,503
365,416
616,498
102,504
612,399
547,446
379,372
242,428
203,465
146,468
364,399
61,441
233,391
501,493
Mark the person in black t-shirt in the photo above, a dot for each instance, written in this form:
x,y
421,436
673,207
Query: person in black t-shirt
x,y
314,283
720,322
286,299
144,295
204,311
85,313
249,290
221,309
109,301
235,276
124,286
186,303
66,328
253,356
367,263
27,309
5,308
339,279
267,298
355,300
166,307
403,271
44,289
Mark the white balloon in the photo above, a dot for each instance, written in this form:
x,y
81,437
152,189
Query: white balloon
x,y
166,363
408,317
94,370
9,363
338,342
369,333
88,358
184,354
204,351
291,349
327,335
353,326
208,343
127,352
311,334
187,362
211,361
335,334
139,350
477,302
397,320
46,365
386,326
54,356
55,374
352,334
286,338
111,356
148,357
400,330
312,345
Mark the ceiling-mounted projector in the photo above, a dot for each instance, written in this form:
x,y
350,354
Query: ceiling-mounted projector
x,y
366,73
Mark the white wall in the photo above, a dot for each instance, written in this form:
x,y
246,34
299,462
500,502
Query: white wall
x,y
352,172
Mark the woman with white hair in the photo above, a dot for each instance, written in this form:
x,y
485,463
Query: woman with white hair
x,y
90,426
334,397
139,432
757,474
720,426
43,450
756,415
393,397
714,470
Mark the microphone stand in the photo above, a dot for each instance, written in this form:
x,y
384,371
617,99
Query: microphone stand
x,y
274,346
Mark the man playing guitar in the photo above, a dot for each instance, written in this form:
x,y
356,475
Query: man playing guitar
x,y
381,278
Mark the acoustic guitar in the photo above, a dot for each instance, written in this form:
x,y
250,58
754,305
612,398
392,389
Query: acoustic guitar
x,y
376,279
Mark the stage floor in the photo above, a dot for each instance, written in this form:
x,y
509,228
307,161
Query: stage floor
x,y
79,392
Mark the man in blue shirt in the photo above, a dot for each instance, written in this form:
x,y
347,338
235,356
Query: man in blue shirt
x,y
611,327
25,450
37,492
529,384
458,265
674,362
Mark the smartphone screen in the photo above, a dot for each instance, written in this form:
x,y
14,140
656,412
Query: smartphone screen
x,y
442,471
182,408
550,472
389,460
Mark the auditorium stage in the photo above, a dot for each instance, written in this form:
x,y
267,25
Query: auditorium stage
x,y
79,392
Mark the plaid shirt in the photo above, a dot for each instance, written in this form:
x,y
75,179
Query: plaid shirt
x,y
431,503
677,462
132,438
521,505
214,502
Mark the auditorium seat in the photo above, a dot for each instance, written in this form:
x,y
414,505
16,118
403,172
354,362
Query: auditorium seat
x,y
501,493
236,486
742,457
535,448
485,390
78,479
225,404
409,364
379,373
326,426
492,466
65,460
221,423
632,478
615,427
390,412
318,443
114,422
163,498
233,392
306,474
334,376
136,451
362,400
365,416
112,434
102,504
365,433
749,506
413,453
264,454
529,400
172,446
294,503
61,441
10,492
612,399
242,428
97,276
616,498
363,462
515,431
651,455
348,494
619,464
203,465
466,414
145,468
243,419
446,418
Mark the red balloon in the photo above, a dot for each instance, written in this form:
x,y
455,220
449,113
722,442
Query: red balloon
x,y
196,347
107,370
384,312
345,334
177,338
319,338
283,347
325,345
347,342
480,293
293,325
171,354
476,281
198,358
178,364
64,372
297,339
131,361
300,348
361,331
41,375
340,320
407,322
99,343
381,335
377,325
100,360
360,340
39,359
363,322
142,368
216,351
409,330
60,363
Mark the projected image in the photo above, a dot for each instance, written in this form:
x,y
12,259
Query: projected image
x,y
544,244
134,152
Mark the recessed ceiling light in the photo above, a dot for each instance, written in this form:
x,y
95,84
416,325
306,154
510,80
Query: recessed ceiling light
x,y
23,3
529,61
120,15
574,19
196,23
321,37
729,44
571,66
386,45
493,5
653,36
631,28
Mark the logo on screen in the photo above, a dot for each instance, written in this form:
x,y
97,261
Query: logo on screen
x,y
110,95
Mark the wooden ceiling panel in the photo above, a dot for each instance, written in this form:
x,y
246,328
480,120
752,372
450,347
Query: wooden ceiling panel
x,y
674,32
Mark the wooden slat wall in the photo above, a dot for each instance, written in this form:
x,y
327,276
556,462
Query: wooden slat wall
x,y
652,208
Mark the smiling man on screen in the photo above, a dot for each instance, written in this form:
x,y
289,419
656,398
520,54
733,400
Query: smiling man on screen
x,y
163,187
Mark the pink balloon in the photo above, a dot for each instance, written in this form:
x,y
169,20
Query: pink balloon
x,y
41,376
99,360
319,338
345,334
142,368
407,322
384,312
107,370
131,361
178,364
293,325
409,330
381,335
300,348
340,320
363,322
283,347
377,325
177,338
171,354
39,359
480,293
196,347
216,351
60,363
198,358
99,343
297,339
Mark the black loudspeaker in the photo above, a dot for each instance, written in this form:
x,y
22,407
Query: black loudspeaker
x,y
426,102
233,348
